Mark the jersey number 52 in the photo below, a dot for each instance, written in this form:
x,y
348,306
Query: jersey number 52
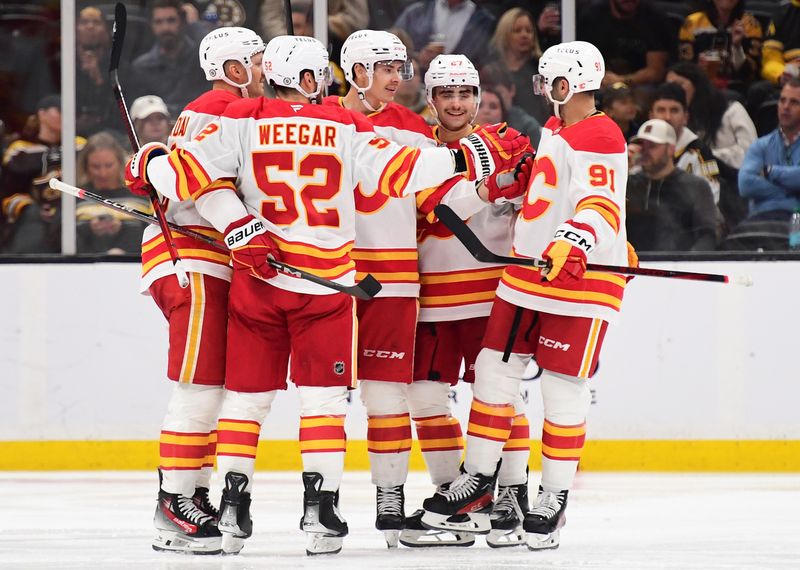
x,y
283,209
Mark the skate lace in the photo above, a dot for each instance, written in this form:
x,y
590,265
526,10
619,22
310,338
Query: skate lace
x,y
204,503
190,512
508,502
390,500
547,505
462,487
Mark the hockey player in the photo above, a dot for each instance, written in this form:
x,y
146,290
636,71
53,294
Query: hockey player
x,y
456,297
573,211
185,520
296,165
375,63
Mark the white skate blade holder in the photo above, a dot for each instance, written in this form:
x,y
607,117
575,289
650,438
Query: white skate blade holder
x,y
544,541
435,538
231,544
317,544
498,538
168,541
475,523
392,537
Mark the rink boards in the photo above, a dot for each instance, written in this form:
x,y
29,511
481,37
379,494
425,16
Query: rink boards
x,y
694,376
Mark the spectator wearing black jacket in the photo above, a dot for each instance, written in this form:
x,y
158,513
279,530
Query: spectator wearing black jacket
x,y
667,208
169,69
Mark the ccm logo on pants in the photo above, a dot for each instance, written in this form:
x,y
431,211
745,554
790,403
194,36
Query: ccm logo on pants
x,y
554,344
389,354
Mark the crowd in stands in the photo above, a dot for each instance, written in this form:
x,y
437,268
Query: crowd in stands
x,y
693,84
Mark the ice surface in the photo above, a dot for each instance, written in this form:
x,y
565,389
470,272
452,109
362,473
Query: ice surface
x,y
634,521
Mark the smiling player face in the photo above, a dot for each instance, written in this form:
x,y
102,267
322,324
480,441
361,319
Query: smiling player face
x,y
455,107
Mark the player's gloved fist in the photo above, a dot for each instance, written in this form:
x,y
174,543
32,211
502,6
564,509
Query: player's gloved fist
x,y
488,149
566,254
251,247
136,169
507,186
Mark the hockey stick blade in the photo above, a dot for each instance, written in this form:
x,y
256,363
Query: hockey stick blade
x,y
117,35
117,41
365,289
480,252
287,14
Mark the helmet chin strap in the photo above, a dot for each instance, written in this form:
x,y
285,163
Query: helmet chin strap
x,y
362,96
558,104
242,86
362,93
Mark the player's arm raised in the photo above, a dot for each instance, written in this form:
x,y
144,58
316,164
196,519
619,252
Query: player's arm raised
x,y
397,170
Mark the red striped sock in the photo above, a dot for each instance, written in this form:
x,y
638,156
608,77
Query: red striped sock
x,y
439,433
490,421
237,438
321,434
389,434
563,443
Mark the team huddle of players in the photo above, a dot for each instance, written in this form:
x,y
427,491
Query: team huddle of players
x,y
342,187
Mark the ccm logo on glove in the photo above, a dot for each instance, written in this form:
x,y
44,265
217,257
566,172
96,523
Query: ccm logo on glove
x,y
578,239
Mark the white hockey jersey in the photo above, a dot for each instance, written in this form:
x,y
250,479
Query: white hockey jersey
x,y
297,165
386,229
580,173
197,256
454,285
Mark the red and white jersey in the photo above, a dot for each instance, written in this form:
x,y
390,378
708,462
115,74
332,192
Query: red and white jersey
x,y
197,256
580,173
386,229
297,165
454,285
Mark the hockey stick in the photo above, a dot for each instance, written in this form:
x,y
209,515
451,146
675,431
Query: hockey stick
x,y
287,13
366,289
117,39
480,252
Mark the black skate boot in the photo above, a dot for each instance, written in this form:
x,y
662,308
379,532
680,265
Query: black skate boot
x,y
507,516
321,521
545,519
182,527
234,513
203,503
390,503
463,507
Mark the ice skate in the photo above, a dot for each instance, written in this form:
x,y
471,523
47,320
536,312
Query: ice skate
x,y
463,507
321,521
507,516
545,519
182,527
234,513
203,503
390,503
415,535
